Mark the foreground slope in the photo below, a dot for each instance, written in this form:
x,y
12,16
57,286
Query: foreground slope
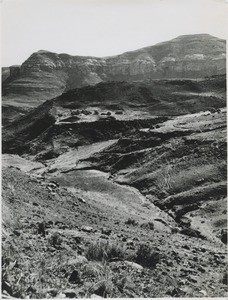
x,y
114,205
80,232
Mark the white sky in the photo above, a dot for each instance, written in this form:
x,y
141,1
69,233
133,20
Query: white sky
x,y
103,27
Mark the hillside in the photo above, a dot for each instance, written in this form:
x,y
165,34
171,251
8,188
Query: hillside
x,y
112,102
134,205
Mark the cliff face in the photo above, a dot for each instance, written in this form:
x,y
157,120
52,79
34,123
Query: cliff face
x,y
45,75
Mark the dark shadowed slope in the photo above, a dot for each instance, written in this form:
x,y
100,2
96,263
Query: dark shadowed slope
x,y
112,102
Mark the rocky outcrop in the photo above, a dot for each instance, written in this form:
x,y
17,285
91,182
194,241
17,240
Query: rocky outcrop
x,y
45,75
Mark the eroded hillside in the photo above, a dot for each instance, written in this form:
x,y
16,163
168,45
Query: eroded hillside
x,y
136,204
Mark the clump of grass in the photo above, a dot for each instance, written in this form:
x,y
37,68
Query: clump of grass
x,y
105,251
146,256
131,221
93,269
103,288
148,225
55,240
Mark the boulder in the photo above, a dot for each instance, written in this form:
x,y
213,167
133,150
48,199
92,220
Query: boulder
x,y
224,236
87,228
78,261
70,293
75,277
106,231
133,265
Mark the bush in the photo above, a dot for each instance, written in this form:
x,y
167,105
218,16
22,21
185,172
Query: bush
x,y
146,256
148,225
55,240
100,251
131,222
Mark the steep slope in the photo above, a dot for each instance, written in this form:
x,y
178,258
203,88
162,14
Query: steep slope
x,y
82,217
60,232
5,73
180,165
45,75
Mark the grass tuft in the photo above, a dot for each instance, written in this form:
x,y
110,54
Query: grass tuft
x,y
105,251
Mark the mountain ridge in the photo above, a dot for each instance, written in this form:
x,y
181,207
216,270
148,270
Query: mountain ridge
x,y
45,75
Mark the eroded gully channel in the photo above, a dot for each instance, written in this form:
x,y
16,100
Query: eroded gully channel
x,y
98,189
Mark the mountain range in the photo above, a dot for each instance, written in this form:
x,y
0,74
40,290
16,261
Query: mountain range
x,y
45,75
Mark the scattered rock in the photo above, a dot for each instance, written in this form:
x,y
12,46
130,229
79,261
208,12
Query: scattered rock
x,y
105,237
224,236
79,260
133,265
70,293
81,200
186,247
106,231
17,232
61,296
52,292
225,279
49,224
41,228
6,287
192,278
190,232
174,292
169,263
201,269
203,292
87,228
59,223
130,243
195,258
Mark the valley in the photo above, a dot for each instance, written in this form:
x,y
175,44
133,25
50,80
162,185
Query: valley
x,y
161,182
114,174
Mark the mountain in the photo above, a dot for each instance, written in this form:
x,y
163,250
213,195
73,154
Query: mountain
x,y
45,75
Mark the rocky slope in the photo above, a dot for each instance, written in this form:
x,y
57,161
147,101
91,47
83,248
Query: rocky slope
x,y
84,230
45,75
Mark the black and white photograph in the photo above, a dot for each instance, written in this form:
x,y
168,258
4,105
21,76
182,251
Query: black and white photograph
x,y
114,149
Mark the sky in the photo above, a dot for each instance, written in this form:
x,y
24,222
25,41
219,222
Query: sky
x,y
102,27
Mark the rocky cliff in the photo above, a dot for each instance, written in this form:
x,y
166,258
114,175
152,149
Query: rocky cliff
x,y
45,75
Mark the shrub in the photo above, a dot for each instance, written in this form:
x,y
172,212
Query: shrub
x,y
55,240
100,251
131,222
93,269
146,256
148,225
